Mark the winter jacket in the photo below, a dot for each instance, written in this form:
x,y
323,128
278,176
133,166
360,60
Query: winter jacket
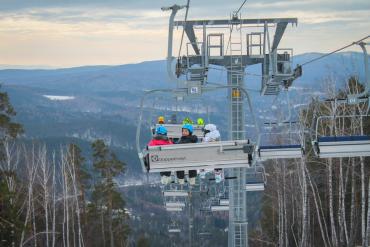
x,y
188,139
213,135
159,140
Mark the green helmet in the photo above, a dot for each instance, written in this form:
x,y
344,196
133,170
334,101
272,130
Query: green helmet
x,y
187,120
200,121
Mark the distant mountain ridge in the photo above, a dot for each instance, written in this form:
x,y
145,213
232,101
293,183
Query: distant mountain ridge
x,y
152,74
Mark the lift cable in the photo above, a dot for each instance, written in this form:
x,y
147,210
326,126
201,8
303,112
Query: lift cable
x,y
241,6
310,61
344,47
183,29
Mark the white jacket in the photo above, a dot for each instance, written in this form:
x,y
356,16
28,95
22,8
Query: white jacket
x,y
213,135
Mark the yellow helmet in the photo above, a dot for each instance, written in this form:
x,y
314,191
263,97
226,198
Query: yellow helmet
x,y
187,120
161,120
200,121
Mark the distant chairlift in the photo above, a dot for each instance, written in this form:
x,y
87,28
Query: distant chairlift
x,y
341,146
287,144
174,228
172,191
291,147
217,207
174,201
224,202
255,179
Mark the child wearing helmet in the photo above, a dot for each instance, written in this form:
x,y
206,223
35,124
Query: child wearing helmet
x,y
187,137
211,134
187,120
159,139
200,121
161,120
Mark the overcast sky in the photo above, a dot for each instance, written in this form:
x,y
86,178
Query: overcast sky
x,y
64,33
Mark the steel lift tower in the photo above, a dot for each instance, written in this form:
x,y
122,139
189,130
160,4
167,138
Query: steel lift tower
x,y
244,49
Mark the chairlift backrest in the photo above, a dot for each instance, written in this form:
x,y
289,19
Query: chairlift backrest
x,y
184,157
255,187
283,145
175,204
173,193
217,208
174,230
174,209
224,202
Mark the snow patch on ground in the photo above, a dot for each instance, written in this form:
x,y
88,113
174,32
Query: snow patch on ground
x,y
59,97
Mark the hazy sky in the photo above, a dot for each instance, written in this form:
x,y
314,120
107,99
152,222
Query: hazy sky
x,y
64,33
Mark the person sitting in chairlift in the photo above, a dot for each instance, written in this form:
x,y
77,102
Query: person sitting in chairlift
x,y
187,120
161,120
160,139
200,121
187,137
211,134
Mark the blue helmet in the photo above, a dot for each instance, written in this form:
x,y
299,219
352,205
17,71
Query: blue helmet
x,y
188,127
161,130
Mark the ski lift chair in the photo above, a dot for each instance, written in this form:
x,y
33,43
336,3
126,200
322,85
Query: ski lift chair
x,y
289,148
255,180
174,201
175,190
173,227
224,201
219,208
328,146
195,156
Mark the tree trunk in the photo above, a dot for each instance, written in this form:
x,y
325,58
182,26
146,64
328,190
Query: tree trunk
x,y
363,204
304,204
54,188
368,217
102,226
31,175
353,204
334,239
319,218
45,179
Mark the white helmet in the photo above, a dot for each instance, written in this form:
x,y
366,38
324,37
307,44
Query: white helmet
x,y
210,127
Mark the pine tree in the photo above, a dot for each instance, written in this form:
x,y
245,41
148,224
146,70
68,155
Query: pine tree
x,y
108,201
9,208
8,128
